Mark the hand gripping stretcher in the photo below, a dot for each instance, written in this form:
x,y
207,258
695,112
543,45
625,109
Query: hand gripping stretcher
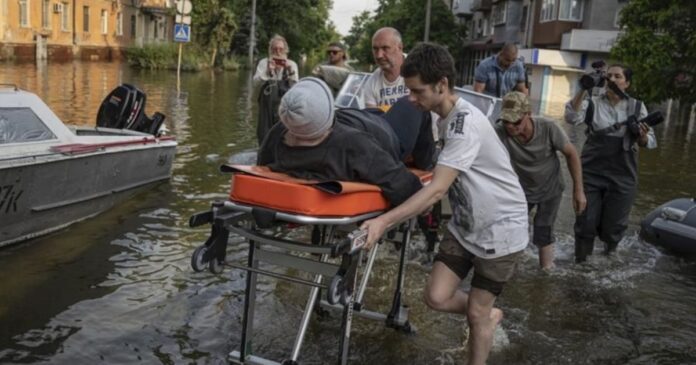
x,y
260,199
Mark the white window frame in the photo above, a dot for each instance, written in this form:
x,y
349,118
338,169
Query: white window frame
x,y
65,17
581,3
548,11
104,21
617,17
46,14
499,8
119,24
24,16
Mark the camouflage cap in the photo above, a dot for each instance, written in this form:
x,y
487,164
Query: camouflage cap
x,y
515,105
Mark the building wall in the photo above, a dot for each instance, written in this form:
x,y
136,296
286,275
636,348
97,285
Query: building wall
x,y
549,33
600,15
96,36
510,31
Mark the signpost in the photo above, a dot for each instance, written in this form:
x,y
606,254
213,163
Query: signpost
x,y
182,32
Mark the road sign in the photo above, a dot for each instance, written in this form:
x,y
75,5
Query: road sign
x,y
183,19
182,33
183,7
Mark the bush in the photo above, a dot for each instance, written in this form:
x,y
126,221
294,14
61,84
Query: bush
x,y
165,56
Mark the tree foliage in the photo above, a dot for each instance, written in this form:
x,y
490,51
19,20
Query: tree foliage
x,y
659,44
408,16
304,23
215,26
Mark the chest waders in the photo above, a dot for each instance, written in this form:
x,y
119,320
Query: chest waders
x,y
610,180
269,99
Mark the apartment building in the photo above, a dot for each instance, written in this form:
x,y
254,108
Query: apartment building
x,y
61,30
558,40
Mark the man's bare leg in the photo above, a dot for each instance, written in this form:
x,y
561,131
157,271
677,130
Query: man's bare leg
x,y
442,290
483,319
546,257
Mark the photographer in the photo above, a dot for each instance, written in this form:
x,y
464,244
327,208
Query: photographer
x,y
276,74
609,156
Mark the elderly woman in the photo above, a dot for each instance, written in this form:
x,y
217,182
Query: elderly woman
x,y
275,74
609,159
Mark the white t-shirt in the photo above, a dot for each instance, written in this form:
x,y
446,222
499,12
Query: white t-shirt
x,y
378,91
489,209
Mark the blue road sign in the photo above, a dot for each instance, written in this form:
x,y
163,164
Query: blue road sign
x,y
182,32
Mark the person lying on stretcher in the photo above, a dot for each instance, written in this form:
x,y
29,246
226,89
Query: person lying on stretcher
x,y
310,144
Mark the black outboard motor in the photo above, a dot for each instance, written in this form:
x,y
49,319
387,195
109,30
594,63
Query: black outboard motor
x,y
124,108
672,226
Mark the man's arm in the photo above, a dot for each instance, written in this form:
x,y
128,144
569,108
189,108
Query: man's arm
x,y
522,87
443,177
479,86
575,169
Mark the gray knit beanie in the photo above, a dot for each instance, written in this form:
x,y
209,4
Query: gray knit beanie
x,y
307,109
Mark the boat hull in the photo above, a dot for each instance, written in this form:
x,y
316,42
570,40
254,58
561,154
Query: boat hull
x,y
672,226
49,193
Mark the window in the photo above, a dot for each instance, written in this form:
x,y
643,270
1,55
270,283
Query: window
x,y
156,28
24,13
104,22
570,10
498,13
22,125
85,19
548,10
523,21
65,17
119,24
46,14
132,26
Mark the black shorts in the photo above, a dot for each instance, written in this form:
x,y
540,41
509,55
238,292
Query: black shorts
x,y
544,219
489,274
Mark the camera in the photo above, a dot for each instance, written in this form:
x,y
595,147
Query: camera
x,y
280,62
651,120
596,78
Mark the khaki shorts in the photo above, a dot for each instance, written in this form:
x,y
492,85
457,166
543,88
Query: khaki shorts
x,y
489,274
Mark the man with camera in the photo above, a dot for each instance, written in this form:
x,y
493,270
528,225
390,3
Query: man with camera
x,y
615,127
275,74
533,144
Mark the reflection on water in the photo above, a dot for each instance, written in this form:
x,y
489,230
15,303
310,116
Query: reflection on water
x,y
118,288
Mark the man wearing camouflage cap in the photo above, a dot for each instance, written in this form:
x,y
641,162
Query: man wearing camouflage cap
x,y
533,144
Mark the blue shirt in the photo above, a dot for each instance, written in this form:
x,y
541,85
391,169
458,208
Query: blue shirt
x,y
486,74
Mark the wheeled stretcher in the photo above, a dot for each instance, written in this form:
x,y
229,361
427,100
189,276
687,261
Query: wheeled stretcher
x,y
260,199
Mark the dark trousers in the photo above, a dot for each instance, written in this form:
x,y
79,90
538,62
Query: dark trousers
x,y
608,208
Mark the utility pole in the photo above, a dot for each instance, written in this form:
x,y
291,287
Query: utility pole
x,y
426,36
252,34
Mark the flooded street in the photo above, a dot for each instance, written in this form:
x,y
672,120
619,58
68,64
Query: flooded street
x,y
119,289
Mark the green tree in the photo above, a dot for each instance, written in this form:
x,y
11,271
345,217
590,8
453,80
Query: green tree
x,y
215,26
304,23
659,43
408,16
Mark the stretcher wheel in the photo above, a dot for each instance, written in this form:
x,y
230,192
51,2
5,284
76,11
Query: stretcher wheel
x,y
197,261
335,290
215,266
345,297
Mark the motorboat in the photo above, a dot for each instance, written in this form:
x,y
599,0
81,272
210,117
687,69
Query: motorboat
x,y
53,175
673,226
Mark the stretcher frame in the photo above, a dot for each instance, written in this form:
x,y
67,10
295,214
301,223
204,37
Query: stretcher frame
x,y
343,292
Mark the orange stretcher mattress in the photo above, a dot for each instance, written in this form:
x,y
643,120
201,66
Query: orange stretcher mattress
x,y
258,185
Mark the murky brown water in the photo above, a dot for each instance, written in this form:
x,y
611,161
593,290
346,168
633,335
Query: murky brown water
x,y
118,288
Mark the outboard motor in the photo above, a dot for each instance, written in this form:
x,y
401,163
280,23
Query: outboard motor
x,y
124,108
672,226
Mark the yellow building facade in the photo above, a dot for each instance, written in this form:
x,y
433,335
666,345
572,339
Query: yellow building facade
x,y
87,29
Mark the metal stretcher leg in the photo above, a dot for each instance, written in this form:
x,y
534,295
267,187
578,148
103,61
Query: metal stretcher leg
x,y
249,304
398,315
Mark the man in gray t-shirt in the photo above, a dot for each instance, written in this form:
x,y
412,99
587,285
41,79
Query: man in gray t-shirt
x,y
532,144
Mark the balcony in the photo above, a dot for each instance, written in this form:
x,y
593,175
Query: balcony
x,y
589,40
481,5
462,8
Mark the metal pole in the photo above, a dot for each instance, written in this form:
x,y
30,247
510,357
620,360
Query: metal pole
x,y
178,70
426,36
252,33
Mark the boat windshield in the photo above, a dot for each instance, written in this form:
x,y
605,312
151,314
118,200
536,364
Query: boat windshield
x,y
19,125
350,96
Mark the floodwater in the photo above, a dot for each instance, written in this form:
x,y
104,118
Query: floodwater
x,y
118,288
